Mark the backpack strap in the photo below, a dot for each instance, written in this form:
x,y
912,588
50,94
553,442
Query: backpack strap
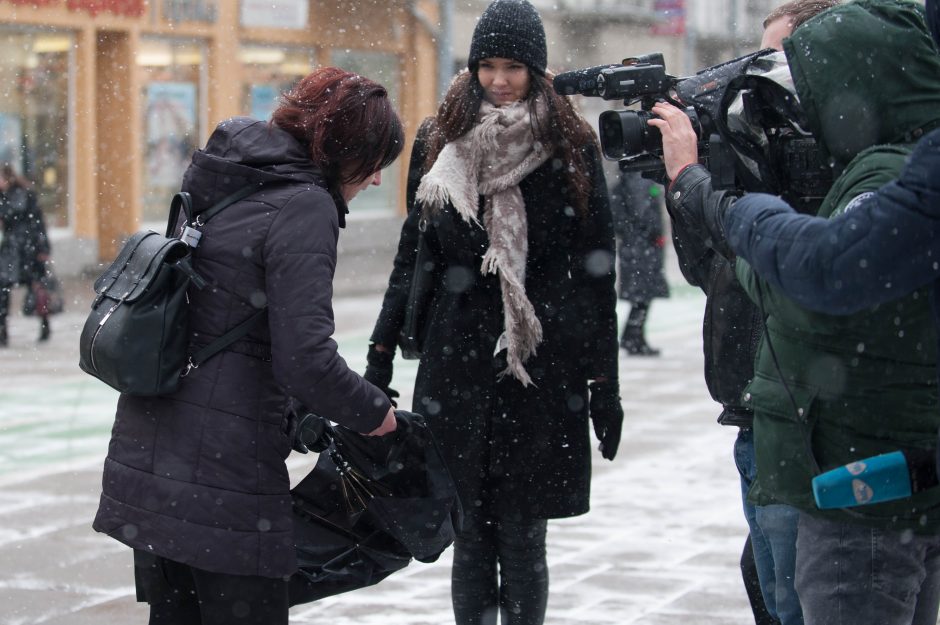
x,y
222,342
183,201
225,202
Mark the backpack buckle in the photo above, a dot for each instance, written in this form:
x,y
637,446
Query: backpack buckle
x,y
190,236
190,365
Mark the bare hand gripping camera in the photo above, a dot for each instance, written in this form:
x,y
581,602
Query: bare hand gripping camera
x,y
749,122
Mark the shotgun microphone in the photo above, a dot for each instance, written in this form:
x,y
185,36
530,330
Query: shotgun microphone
x,y
581,81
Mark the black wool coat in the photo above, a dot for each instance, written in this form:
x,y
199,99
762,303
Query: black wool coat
x,y
521,453
638,224
23,237
199,476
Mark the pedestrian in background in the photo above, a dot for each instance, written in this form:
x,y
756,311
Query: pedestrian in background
x,y
24,245
195,482
641,239
506,184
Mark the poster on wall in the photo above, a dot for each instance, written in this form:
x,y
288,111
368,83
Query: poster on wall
x,y
291,14
670,17
263,101
170,131
11,141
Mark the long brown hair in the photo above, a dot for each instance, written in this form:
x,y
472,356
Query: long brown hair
x,y
346,121
563,128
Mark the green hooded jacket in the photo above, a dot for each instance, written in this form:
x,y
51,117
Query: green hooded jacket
x,y
868,76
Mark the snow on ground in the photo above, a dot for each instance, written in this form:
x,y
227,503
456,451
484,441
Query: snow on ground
x,y
660,545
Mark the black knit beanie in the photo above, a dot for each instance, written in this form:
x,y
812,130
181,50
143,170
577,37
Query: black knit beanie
x,y
509,29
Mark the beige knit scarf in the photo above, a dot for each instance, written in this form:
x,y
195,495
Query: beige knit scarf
x,y
490,160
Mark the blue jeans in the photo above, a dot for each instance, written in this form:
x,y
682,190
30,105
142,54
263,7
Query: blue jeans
x,y
849,574
773,537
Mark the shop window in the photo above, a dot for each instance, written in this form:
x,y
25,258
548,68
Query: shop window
x,y
269,71
383,68
36,70
173,94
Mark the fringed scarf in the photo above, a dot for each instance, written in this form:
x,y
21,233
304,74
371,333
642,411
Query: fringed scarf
x,y
490,160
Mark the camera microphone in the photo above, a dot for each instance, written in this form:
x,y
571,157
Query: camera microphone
x,y
880,478
581,81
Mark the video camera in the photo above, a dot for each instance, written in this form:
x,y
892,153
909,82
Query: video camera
x,y
761,145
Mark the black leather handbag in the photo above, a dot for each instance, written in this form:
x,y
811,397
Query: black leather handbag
x,y
420,294
136,338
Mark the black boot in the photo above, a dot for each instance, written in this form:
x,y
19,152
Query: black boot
x,y
4,311
633,339
44,330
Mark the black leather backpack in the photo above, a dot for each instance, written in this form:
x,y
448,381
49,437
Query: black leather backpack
x,y
136,338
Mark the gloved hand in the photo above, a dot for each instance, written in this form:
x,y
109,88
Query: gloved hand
x,y
306,431
606,415
379,372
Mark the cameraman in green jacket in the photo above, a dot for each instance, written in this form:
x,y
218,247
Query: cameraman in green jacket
x,y
830,390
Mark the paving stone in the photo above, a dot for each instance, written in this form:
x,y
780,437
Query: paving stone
x,y
120,611
660,545
26,606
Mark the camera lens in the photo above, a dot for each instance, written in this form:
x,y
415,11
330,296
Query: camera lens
x,y
626,133
611,134
637,134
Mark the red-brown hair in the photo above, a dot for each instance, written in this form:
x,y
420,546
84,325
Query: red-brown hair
x,y
346,121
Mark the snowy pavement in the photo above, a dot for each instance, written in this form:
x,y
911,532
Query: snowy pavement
x,y
660,545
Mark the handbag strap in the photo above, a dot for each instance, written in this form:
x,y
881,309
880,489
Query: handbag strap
x,y
222,342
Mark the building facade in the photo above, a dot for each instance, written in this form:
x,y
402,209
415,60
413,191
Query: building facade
x,y
690,34
103,101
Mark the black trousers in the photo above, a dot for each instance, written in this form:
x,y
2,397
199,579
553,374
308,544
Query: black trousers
x,y
518,591
752,586
5,290
179,594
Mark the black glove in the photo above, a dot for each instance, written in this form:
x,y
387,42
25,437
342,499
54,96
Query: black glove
x,y
606,416
379,372
305,430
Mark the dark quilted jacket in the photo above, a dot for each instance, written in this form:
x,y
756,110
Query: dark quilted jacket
x,y
199,476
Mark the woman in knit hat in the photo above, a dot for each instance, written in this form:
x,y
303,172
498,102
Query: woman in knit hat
x,y
508,196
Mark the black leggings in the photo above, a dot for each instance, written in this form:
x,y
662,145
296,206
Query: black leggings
x,y
519,592
5,290
637,316
182,595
